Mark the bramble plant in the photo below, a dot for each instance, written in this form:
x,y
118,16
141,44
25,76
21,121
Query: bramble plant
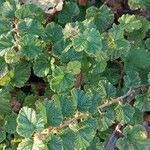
x,y
73,76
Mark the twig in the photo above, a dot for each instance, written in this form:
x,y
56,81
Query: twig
x,y
131,92
16,33
107,1
55,130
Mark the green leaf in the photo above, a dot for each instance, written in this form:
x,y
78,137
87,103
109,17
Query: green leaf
x,y
68,106
69,138
31,46
45,5
10,123
5,74
30,11
138,58
5,26
139,34
135,137
53,32
106,89
55,143
3,67
70,10
106,120
59,46
84,102
95,99
21,77
11,56
115,33
3,136
86,134
74,67
6,42
137,117
149,77
90,42
28,122
31,144
51,114
6,79
8,9
143,102
30,26
100,63
129,23
61,81
30,101
41,65
102,17
70,30
124,113
132,79
96,144
138,4
147,42
71,55
121,48
5,98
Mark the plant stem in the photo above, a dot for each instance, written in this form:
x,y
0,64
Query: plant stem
x,y
131,92
55,130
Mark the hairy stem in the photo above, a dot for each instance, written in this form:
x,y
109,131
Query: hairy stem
x,y
55,130
131,92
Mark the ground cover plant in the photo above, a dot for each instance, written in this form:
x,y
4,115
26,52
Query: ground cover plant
x,y
74,75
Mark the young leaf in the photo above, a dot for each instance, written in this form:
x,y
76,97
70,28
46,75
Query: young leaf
x,y
11,56
74,67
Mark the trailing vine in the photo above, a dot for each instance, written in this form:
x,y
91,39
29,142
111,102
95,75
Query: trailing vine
x,y
74,75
